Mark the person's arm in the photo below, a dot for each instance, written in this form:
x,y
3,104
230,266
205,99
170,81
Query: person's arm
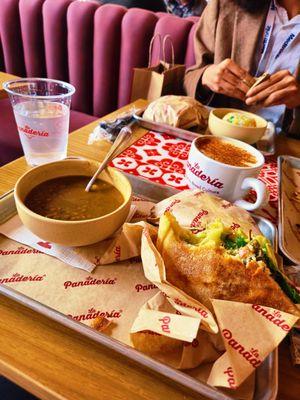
x,y
204,44
206,78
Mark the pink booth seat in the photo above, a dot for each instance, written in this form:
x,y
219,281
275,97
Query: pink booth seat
x,y
10,146
94,47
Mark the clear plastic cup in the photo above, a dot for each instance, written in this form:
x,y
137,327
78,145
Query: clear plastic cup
x,y
42,112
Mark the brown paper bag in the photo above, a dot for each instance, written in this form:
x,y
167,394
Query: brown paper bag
x,y
153,82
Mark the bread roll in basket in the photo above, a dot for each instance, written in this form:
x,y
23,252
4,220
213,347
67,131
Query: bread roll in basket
x,y
179,111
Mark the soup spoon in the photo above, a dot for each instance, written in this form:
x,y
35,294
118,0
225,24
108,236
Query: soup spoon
x,y
123,137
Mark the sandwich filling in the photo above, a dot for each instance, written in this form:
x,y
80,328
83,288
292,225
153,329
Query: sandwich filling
x,y
234,244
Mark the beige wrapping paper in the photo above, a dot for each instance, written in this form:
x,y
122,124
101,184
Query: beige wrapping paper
x,y
249,337
107,292
196,209
126,294
192,208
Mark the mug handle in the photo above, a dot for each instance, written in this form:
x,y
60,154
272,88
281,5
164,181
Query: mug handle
x,y
261,193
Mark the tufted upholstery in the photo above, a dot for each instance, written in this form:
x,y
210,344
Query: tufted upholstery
x,y
95,47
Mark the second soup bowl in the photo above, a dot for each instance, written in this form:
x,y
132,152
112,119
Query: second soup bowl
x,y
248,134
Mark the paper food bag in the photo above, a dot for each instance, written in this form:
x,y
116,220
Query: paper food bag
x,y
152,82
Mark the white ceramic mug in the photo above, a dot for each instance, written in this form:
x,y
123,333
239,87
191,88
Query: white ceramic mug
x,y
227,181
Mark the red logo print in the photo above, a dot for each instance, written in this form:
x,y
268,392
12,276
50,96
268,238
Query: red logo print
x,y
16,278
172,204
117,253
93,313
195,222
230,380
195,169
141,288
165,327
90,281
199,310
46,245
251,356
20,250
274,317
30,133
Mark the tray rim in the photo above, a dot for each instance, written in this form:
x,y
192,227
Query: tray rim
x,y
282,247
180,377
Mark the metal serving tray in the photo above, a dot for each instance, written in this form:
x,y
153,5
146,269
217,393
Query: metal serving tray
x,y
266,377
265,145
295,163
169,130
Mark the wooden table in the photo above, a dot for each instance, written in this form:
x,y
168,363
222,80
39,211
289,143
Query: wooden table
x,y
5,77
53,362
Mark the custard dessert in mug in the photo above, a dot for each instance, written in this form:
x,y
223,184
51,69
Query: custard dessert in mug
x,y
228,168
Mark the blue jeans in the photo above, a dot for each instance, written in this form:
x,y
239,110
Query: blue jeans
x,y
10,391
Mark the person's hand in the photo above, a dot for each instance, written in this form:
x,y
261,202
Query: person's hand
x,y
281,88
227,78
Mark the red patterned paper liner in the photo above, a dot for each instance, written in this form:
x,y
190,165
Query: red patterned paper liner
x,y
162,159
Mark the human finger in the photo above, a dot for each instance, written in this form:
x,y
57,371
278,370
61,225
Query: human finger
x,y
277,77
264,94
231,91
282,96
235,81
235,69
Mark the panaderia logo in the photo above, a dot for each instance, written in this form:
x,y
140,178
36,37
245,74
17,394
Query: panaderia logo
x,y
251,356
17,278
274,317
197,171
199,310
230,377
142,288
90,281
92,313
19,250
198,217
172,204
30,133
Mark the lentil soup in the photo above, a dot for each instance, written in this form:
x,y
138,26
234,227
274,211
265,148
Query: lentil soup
x,y
65,198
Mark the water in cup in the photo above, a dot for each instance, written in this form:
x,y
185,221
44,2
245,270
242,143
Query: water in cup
x,y
42,126
42,111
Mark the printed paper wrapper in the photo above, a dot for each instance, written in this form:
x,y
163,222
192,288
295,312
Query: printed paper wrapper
x,y
253,333
84,257
119,291
195,209
192,208
109,298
